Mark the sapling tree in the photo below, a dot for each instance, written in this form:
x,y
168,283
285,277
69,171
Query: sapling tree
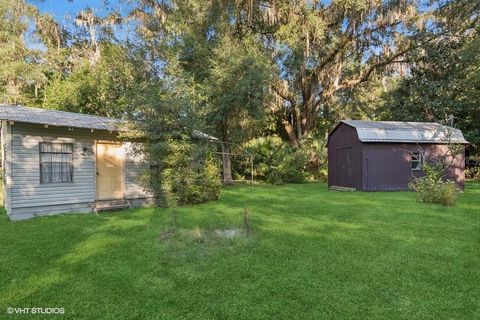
x,y
433,186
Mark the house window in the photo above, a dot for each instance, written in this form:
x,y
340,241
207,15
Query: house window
x,y
56,162
416,161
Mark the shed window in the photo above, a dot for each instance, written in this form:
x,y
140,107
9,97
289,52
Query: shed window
x,y
416,161
56,162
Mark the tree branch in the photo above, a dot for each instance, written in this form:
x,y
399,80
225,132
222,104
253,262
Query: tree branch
x,y
285,96
368,72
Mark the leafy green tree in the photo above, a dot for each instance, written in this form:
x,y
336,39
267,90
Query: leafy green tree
x,y
236,90
165,117
107,88
24,49
321,49
98,28
324,49
230,70
443,84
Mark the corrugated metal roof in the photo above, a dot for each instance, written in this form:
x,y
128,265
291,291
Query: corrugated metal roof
x,y
406,132
57,118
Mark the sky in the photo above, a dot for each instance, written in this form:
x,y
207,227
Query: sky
x,y
64,12
61,10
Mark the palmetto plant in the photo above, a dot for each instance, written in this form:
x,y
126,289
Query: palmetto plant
x,y
269,153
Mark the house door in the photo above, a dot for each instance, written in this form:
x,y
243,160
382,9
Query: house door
x,y
109,171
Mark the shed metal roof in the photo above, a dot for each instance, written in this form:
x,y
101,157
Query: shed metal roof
x,y
405,132
57,118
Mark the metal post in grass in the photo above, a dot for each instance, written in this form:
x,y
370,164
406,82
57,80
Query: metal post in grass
x,y
212,139
246,221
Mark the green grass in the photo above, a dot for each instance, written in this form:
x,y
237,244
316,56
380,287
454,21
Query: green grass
x,y
313,254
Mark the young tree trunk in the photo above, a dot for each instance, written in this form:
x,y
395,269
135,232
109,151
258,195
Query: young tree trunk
x,y
227,165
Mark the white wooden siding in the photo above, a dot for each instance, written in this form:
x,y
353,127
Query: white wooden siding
x,y
30,198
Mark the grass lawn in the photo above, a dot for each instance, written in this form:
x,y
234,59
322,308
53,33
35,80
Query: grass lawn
x,y
312,254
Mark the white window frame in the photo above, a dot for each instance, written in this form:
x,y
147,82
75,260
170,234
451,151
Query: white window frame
x,y
69,163
416,157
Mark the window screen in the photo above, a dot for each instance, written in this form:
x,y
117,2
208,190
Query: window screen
x,y
56,162
416,161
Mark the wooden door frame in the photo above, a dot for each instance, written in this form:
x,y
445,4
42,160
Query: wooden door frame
x,y
124,176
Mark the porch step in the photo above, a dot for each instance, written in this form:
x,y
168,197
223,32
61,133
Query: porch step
x,y
111,205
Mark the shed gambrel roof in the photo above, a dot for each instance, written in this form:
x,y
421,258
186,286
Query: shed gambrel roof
x,y
405,132
58,118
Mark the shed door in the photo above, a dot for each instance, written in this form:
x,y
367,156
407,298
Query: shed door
x,y
109,171
344,167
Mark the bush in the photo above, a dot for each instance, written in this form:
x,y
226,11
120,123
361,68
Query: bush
x,y
210,174
268,156
314,152
183,174
473,168
293,167
274,161
274,177
431,188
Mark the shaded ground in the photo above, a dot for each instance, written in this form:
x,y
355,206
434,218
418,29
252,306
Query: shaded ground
x,y
312,254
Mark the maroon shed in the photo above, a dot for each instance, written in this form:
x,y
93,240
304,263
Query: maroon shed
x,y
386,155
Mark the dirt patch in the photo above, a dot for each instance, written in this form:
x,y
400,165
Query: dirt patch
x,y
228,233
167,234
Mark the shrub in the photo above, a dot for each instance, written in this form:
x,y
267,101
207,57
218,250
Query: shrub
x,y
431,188
315,155
268,156
183,174
210,174
276,162
274,177
293,167
473,168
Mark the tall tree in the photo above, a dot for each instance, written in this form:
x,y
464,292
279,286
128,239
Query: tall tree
x,y
324,49
321,48
235,90
26,36
108,88
231,71
443,84
98,28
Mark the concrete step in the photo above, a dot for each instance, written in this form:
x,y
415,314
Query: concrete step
x,y
112,205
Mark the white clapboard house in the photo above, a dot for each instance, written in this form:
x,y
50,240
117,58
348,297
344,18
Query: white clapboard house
x,y
62,162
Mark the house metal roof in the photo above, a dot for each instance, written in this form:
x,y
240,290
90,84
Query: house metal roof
x,y
57,118
405,132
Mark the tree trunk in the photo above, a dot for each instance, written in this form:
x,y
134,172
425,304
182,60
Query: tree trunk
x,y
227,165
292,137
